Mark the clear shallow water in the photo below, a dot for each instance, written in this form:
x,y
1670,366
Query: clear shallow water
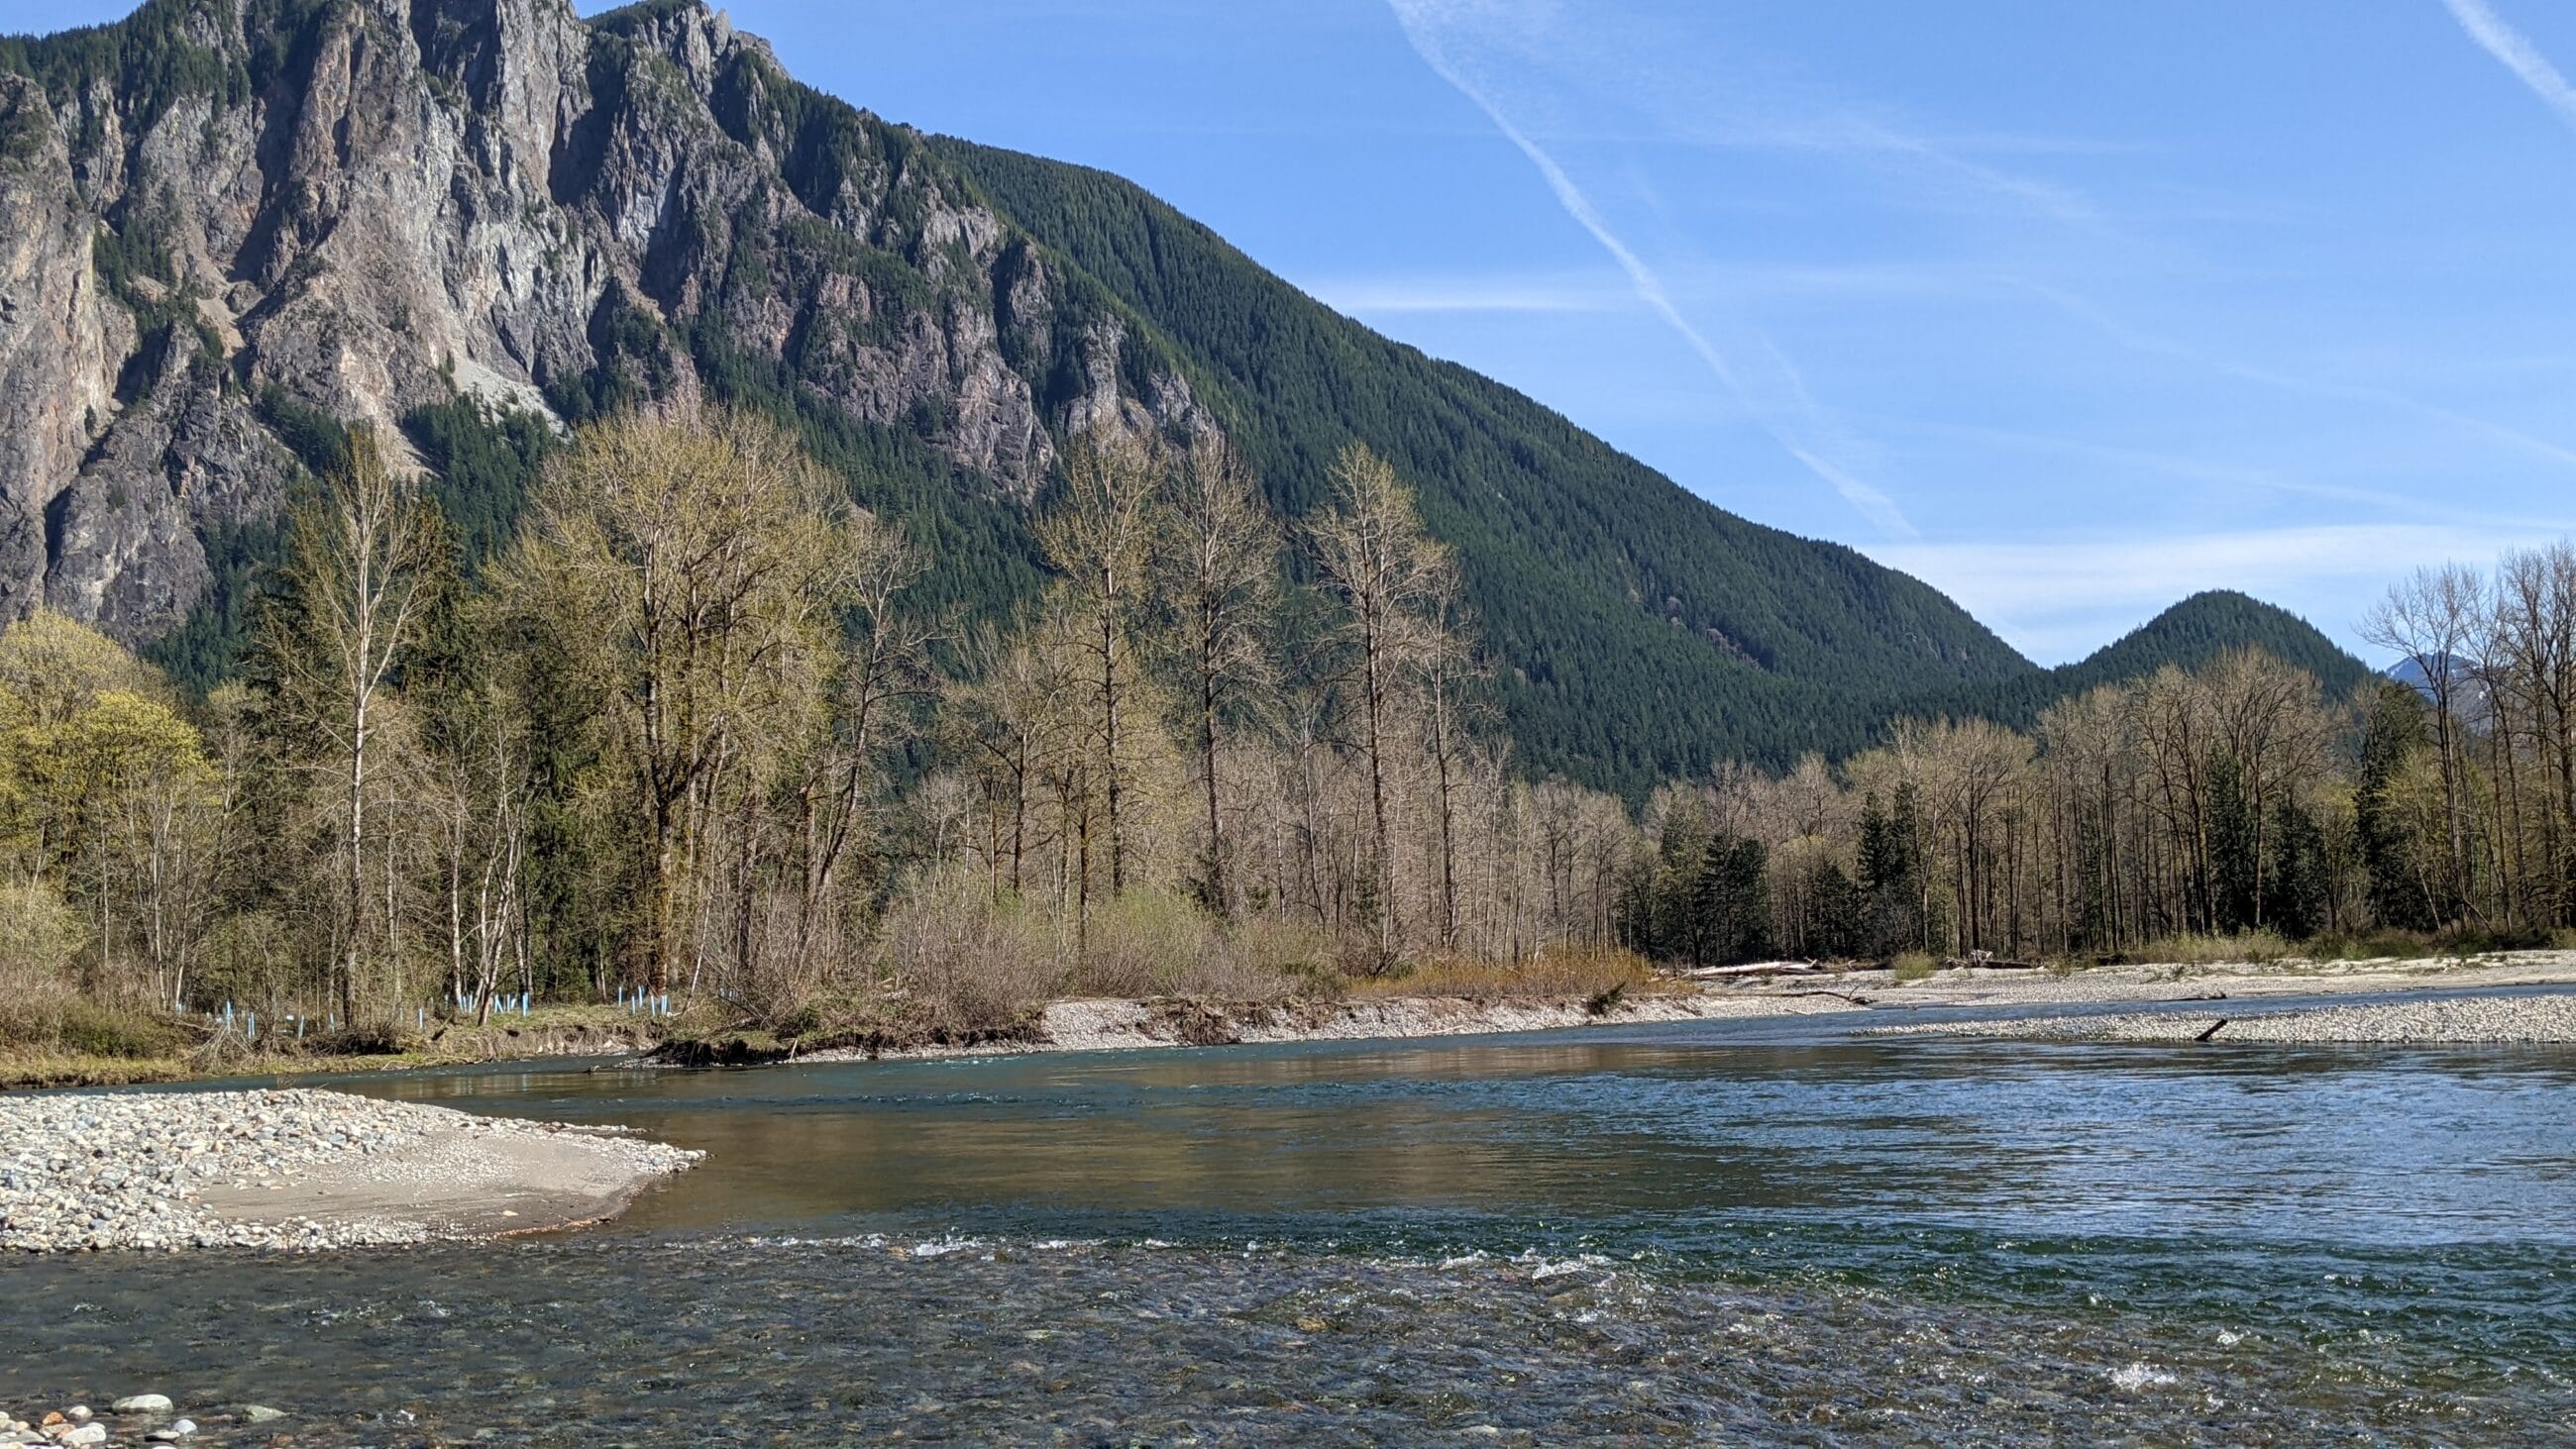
x,y
1708,1231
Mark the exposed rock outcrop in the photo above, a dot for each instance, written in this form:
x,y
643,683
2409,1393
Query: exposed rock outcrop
x,y
247,210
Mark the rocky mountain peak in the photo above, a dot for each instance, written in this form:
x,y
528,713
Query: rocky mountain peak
x,y
232,226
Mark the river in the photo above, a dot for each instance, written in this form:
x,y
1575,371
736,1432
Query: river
x,y
1776,1231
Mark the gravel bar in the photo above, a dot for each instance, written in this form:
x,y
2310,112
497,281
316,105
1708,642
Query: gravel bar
x,y
2536,1020
296,1170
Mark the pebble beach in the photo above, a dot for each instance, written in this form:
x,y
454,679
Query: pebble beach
x,y
2504,1020
294,1170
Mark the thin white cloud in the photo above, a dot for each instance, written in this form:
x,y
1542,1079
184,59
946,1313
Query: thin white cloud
x,y
1730,284
2051,599
1422,32
2377,397
1373,296
2124,461
2519,55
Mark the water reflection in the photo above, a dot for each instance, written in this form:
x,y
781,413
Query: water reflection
x,y
1702,1231
1675,1135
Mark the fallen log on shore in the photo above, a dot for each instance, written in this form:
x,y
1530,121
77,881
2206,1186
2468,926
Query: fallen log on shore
x,y
1753,969
1992,963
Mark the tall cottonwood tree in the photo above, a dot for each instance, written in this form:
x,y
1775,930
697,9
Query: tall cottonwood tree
x,y
1098,539
1392,579
884,674
1217,566
2430,619
355,599
1003,720
692,567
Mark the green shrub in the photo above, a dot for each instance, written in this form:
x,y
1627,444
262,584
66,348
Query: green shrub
x,y
2193,948
1915,966
39,936
94,1030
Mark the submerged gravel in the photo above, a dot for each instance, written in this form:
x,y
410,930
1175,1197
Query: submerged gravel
x,y
89,1172
2500,1020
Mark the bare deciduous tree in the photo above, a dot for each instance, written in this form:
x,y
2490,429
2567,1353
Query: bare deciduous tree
x,y
357,559
1391,579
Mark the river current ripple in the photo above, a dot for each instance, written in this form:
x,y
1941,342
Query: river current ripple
x,y
1695,1233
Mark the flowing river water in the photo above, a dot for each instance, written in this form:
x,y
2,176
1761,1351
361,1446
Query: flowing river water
x,y
1774,1232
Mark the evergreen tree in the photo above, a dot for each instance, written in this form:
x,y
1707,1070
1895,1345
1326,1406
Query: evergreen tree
x,y
1732,902
2295,892
2234,881
2403,892
1891,875
1840,915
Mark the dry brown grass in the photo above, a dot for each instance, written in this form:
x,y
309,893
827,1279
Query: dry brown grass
x,y
1555,974
962,962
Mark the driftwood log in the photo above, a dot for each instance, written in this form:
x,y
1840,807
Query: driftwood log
x,y
1753,969
1993,963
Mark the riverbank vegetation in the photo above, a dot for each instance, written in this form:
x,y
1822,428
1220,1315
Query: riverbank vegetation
x,y
682,731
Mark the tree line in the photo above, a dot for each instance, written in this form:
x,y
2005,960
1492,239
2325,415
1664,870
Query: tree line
x,y
685,727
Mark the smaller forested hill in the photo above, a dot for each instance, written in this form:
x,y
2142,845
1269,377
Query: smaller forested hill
x,y
2189,634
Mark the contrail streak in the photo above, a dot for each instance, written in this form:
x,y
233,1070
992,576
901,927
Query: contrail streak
x,y
2519,55
1872,503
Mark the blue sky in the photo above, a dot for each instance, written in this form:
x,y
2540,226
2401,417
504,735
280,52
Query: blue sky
x,y
2067,309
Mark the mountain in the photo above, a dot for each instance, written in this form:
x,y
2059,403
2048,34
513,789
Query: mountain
x,y
2189,634
2460,678
229,229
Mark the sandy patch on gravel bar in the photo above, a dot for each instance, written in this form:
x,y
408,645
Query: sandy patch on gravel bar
x,y
297,1170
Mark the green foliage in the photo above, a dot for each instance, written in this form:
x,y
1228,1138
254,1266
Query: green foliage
x,y
149,56
2186,636
2407,889
91,1029
2297,897
22,128
483,463
153,60
209,645
636,360
984,550
1889,891
1732,902
2235,884
1708,900
318,440
133,259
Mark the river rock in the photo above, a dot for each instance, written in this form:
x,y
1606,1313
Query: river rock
x,y
142,1404
128,1170
261,1414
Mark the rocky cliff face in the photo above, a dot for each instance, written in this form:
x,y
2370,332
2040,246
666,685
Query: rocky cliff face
x,y
223,217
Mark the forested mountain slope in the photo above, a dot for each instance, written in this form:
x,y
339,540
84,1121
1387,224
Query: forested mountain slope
x,y
237,227
1645,632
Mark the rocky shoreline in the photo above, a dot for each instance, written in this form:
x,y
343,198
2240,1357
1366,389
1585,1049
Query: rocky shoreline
x,y
150,1418
1126,1024
2503,1020
1123,1024
296,1171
